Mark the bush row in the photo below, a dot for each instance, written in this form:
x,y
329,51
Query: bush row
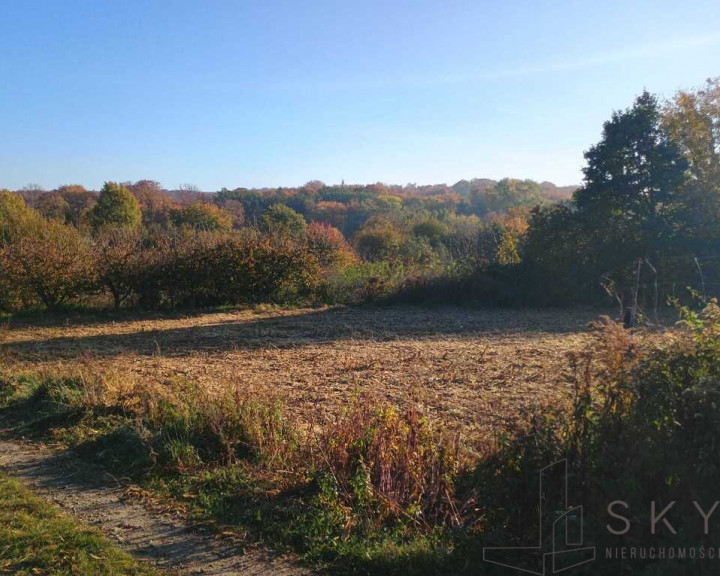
x,y
51,264
56,266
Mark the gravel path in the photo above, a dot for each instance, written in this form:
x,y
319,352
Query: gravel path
x,y
164,539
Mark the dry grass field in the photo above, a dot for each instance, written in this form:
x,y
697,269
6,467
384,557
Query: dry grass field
x,y
182,407
474,369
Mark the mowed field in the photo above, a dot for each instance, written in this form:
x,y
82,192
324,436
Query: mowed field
x,y
475,370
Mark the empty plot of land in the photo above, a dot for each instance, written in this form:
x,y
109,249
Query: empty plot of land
x,y
475,369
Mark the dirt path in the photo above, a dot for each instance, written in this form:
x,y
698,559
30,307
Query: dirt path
x,y
92,495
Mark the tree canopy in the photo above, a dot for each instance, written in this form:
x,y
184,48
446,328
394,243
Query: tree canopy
x,y
116,206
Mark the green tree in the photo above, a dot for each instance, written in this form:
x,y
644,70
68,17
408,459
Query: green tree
x,y
116,206
17,221
632,178
201,216
282,219
558,256
431,229
16,218
627,209
379,242
509,193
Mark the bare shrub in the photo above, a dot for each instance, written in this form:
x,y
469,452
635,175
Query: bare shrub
x,y
118,255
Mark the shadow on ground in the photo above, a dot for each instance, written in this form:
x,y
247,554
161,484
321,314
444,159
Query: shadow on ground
x,y
217,332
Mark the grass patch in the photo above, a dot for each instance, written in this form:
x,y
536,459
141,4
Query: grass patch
x,y
36,540
371,491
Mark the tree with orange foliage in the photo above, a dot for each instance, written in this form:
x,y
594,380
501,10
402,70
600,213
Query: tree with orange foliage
x,y
155,203
328,244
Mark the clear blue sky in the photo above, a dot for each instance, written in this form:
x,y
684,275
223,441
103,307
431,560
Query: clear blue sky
x,y
253,93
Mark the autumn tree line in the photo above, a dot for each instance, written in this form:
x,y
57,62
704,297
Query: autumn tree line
x,y
646,214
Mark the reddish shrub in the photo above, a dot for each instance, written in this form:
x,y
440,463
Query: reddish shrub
x,y
328,244
391,464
